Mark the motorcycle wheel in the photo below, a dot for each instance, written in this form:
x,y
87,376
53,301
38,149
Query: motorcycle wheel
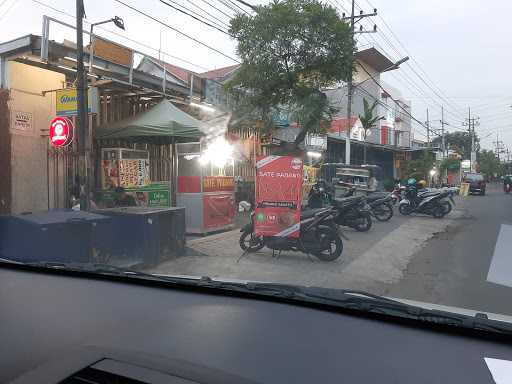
x,y
447,207
329,237
438,212
405,209
249,242
363,223
383,212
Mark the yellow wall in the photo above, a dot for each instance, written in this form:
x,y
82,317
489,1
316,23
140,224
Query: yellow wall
x,y
29,149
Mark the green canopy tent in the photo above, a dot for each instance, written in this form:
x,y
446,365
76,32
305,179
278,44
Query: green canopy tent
x,y
162,124
164,120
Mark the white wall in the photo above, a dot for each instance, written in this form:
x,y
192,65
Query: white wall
x,y
29,149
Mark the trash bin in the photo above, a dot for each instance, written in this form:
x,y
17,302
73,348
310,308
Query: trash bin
x,y
141,236
50,236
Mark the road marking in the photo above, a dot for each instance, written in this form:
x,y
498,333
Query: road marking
x,y
500,271
501,370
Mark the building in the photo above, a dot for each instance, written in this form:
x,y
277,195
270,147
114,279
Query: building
x,y
395,127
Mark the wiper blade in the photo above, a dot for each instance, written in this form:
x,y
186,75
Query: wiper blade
x,y
365,302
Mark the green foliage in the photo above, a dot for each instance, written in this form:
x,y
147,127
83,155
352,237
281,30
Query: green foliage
x,y
368,119
489,164
459,142
450,164
290,50
420,168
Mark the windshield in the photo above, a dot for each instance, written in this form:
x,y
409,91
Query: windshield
x,y
334,144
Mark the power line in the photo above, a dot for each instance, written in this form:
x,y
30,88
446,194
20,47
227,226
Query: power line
x,y
194,17
176,30
122,36
236,6
247,4
221,22
395,101
443,97
214,7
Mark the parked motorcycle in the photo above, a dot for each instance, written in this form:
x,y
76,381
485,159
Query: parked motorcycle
x,y
318,236
381,204
353,212
429,202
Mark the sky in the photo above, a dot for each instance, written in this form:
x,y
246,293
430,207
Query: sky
x,y
459,49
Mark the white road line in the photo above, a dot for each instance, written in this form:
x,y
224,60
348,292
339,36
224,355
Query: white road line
x,y
500,271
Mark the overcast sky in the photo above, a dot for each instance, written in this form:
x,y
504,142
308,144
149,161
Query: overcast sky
x,y
460,49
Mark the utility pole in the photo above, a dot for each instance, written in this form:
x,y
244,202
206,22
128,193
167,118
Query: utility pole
x,y
443,145
428,130
83,117
350,87
471,122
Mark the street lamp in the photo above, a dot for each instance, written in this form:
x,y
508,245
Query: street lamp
x,y
396,65
118,22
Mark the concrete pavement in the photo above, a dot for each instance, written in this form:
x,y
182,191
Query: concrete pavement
x,y
369,260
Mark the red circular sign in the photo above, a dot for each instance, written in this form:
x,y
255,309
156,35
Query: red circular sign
x,y
61,132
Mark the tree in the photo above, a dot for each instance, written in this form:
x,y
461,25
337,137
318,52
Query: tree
x,y
290,50
459,142
420,168
368,121
489,164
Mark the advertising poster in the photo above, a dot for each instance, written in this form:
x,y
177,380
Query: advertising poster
x,y
218,210
278,196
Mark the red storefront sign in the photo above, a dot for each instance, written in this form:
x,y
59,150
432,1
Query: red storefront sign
x,y
218,183
61,132
278,196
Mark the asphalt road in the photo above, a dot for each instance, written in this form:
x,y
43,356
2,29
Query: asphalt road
x,y
453,268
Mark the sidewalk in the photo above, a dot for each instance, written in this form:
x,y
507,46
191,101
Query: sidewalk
x,y
368,259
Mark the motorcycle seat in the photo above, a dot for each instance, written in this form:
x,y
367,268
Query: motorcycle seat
x,y
310,213
346,201
376,196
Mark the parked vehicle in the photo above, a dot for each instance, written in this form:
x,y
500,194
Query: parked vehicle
x,y
380,203
318,236
476,183
353,212
430,203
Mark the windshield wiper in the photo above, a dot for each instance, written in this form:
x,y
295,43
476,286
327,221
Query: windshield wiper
x,y
340,298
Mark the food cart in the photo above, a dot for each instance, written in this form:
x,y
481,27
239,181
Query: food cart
x,y
129,168
364,178
206,189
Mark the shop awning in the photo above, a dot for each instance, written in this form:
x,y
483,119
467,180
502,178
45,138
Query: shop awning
x,y
162,120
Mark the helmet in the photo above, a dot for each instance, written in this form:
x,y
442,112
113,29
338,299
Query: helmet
x,y
422,184
411,181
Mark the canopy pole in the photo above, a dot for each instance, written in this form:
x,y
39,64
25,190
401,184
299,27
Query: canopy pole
x,y
173,180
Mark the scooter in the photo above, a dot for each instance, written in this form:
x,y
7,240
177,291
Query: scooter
x,y
381,204
353,212
428,203
318,236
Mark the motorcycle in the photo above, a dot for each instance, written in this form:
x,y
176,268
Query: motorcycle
x,y
380,205
318,236
430,203
507,187
353,212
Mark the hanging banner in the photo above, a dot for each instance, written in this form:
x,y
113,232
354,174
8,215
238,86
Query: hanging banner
x,y
278,196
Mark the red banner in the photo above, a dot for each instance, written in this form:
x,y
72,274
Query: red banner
x,y
278,196
218,210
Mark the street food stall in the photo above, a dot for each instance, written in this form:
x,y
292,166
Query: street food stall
x,y
200,176
206,185
364,178
130,169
